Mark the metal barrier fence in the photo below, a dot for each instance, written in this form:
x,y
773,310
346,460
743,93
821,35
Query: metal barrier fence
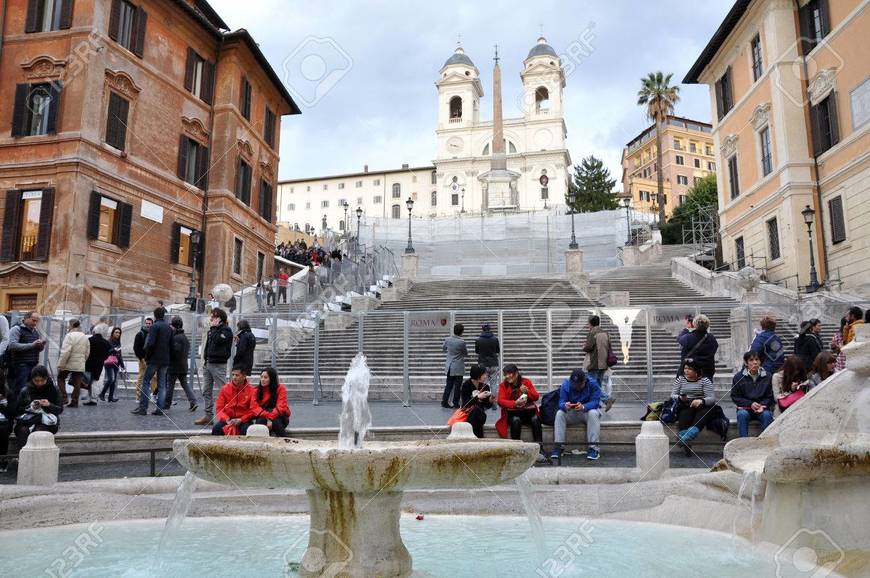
x,y
312,348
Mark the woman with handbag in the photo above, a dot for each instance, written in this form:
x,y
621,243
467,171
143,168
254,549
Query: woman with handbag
x,y
789,383
476,398
112,365
695,402
39,404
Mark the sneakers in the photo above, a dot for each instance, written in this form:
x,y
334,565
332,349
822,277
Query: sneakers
x,y
608,404
542,459
203,421
138,411
592,454
556,454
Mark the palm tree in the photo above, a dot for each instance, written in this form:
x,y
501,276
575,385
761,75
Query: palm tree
x,y
659,98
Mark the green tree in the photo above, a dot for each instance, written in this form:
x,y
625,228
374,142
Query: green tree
x,y
659,98
591,188
701,196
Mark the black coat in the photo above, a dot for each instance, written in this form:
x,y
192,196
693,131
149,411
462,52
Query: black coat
x,y
244,358
159,344
47,392
218,344
100,350
180,353
465,395
745,391
139,343
807,346
487,349
704,354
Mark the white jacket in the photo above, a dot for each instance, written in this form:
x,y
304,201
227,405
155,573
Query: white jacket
x,y
74,352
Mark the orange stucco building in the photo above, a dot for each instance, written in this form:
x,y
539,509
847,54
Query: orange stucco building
x,y
789,87
128,128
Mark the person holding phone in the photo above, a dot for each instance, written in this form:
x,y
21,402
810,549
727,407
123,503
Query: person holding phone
x,y
476,397
579,402
39,404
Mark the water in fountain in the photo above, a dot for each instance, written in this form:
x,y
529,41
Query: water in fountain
x,y
748,483
355,415
180,507
536,523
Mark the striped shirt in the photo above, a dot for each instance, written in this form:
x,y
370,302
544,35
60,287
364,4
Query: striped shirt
x,y
700,389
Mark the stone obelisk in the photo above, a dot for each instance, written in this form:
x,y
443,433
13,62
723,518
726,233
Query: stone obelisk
x,y
499,184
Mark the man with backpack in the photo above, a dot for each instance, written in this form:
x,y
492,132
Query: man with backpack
x,y
768,345
597,349
579,402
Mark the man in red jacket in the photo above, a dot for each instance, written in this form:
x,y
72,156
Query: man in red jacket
x,y
516,398
236,406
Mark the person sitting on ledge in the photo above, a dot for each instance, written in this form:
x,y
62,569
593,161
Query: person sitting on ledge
x,y
752,393
516,397
477,398
579,402
823,367
694,394
39,404
791,378
273,412
236,406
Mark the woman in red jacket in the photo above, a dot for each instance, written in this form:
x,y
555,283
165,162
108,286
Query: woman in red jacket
x,y
272,399
516,397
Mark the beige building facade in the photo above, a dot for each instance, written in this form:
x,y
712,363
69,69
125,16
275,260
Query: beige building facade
x,y
688,156
790,91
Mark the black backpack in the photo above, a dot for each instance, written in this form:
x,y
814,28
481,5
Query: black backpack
x,y
549,407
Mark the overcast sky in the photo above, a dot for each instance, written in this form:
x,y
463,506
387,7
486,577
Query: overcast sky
x,y
363,72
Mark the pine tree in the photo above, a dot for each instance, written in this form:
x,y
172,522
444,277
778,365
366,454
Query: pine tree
x,y
592,187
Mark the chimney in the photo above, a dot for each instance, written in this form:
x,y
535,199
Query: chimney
x,y
365,168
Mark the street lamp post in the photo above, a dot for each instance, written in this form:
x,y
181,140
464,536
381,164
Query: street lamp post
x,y
345,207
410,204
359,213
461,208
626,201
809,216
195,238
572,198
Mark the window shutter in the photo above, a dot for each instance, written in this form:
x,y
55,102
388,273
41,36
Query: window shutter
x,y
825,17
139,25
94,215
116,127
832,118
9,239
804,21
175,243
202,168
245,101
261,198
66,13
32,22
182,158
46,213
207,89
816,127
719,103
22,91
838,221
115,20
54,90
266,206
727,91
188,70
237,190
125,224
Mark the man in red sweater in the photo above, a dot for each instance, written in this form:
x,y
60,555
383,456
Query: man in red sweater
x,y
236,406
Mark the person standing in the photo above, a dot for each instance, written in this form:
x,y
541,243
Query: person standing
x,y
218,345
283,279
456,350
162,308
25,344
245,345
476,398
270,293
769,346
157,357
178,364
139,351
700,345
488,349
597,349
112,366
74,353
99,353
259,293
808,344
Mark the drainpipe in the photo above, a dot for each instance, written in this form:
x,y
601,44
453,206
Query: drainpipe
x,y
817,187
201,279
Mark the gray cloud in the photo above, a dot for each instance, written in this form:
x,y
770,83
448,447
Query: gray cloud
x,y
383,111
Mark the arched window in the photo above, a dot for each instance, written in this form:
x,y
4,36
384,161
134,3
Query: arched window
x,y
456,107
434,198
341,225
511,148
509,145
435,177
397,211
542,99
485,150
397,191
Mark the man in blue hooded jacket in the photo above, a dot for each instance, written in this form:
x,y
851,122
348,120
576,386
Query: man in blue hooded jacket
x,y
579,402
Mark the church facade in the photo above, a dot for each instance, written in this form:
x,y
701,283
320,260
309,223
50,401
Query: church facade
x,y
535,147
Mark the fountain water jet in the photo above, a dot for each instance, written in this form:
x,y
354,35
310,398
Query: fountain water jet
x,y
355,492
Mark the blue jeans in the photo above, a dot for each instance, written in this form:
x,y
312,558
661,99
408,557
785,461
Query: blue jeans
x,y
743,417
598,374
161,371
22,375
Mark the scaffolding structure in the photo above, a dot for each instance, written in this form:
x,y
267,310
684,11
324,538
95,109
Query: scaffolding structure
x,y
703,236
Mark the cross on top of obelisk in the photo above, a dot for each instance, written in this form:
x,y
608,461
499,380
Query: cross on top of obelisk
x,y
496,54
